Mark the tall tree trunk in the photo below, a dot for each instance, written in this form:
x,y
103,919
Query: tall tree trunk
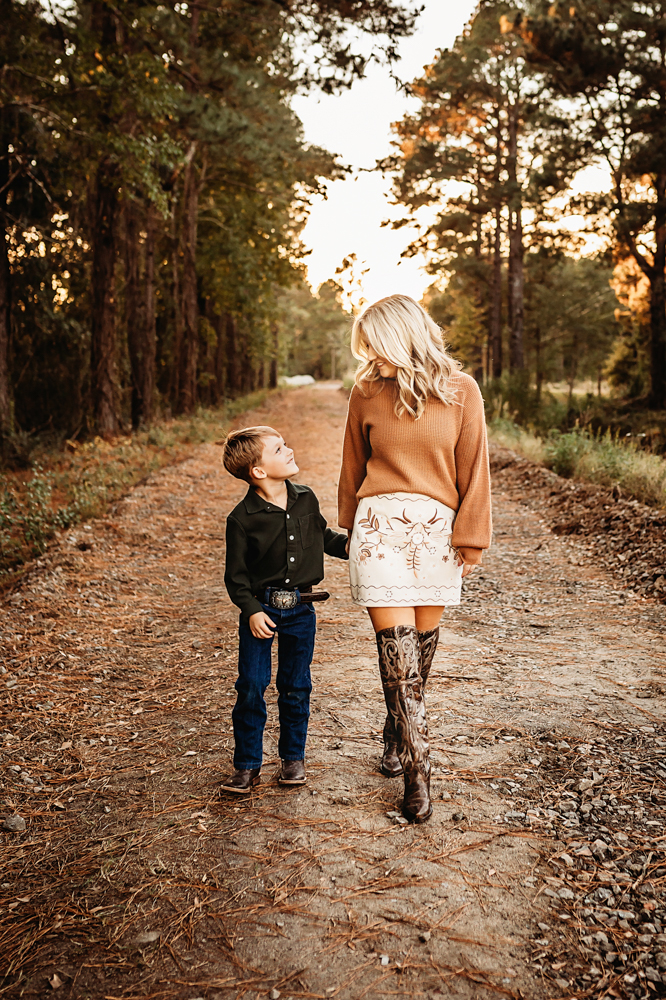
x,y
509,277
539,372
140,309
517,291
273,373
174,381
6,407
219,355
573,367
481,293
516,276
133,303
189,348
149,351
246,372
233,367
6,415
103,325
496,280
496,298
658,302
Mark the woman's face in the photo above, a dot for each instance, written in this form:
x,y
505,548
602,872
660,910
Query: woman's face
x,y
384,367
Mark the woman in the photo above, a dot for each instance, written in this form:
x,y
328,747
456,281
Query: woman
x,y
414,496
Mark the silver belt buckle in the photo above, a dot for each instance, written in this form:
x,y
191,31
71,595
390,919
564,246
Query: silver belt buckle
x,y
283,600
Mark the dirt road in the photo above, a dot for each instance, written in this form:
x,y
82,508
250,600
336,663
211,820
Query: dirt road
x,y
539,875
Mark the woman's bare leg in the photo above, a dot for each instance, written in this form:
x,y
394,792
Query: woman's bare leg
x,y
423,618
427,618
382,618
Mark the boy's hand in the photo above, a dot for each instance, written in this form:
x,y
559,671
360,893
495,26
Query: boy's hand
x,y
261,626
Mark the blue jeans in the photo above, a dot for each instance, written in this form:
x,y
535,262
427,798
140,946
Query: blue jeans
x,y
295,630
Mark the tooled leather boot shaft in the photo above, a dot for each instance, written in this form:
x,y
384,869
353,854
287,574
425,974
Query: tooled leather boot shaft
x,y
427,647
399,664
390,763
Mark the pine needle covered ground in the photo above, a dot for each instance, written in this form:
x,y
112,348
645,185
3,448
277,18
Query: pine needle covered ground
x,y
123,874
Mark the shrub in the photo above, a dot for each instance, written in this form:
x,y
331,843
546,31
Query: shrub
x,y
602,458
562,452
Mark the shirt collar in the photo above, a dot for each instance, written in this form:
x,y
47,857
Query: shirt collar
x,y
254,503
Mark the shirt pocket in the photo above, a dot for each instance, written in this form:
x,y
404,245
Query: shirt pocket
x,y
308,528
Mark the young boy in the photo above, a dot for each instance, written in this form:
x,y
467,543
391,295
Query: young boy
x,y
276,539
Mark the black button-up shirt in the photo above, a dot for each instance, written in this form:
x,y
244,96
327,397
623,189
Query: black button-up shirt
x,y
271,547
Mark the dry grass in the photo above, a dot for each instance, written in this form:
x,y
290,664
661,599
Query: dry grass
x,y
506,434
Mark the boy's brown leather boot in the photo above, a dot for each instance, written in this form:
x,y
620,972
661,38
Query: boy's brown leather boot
x,y
241,782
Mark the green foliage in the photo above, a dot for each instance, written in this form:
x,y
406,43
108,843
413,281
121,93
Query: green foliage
x,y
459,311
604,60
570,322
601,458
610,462
564,451
315,331
628,365
174,121
511,112
512,397
29,517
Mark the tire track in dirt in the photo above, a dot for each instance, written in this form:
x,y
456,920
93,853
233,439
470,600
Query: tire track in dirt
x,y
134,879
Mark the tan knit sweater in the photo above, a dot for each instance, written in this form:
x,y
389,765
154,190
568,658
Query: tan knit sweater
x,y
443,455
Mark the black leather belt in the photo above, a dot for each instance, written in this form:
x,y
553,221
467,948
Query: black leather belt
x,y
283,600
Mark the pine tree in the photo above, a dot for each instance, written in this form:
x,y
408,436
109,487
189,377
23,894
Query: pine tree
x,y
485,116
154,183
606,59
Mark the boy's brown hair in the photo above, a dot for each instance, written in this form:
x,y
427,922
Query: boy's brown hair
x,y
243,450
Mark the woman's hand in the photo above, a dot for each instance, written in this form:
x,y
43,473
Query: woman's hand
x,y
469,559
261,626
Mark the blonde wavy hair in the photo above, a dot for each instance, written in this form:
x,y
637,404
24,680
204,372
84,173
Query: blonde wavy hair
x,y
399,330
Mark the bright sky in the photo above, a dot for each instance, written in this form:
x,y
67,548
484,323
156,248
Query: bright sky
x,y
357,126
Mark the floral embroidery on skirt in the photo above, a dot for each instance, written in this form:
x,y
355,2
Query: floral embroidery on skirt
x,y
400,554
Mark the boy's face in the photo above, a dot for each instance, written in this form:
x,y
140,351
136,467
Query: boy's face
x,y
277,461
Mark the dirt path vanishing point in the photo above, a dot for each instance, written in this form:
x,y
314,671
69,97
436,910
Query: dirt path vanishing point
x,y
539,875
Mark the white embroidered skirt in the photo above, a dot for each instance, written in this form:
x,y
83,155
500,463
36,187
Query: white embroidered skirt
x,y
400,554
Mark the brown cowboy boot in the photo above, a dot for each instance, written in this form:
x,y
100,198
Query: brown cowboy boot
x,y
427,646
390,763
399,666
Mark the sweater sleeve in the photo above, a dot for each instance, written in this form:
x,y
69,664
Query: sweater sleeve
x,y
473,524
355,455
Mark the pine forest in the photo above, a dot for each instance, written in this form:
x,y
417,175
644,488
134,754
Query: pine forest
x,y
155,181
